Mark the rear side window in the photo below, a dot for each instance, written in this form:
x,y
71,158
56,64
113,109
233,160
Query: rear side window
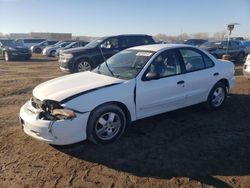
x,y
208,61
192,60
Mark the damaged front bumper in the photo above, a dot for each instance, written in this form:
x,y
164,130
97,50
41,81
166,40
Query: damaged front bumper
x,y
60,132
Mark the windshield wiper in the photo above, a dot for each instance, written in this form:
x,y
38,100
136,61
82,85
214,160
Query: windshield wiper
x,y
106,62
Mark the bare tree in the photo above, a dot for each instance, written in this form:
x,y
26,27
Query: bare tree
x,y
200,35
220,35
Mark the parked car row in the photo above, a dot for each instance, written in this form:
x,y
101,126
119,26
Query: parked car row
x,y
54,50
38,48
234,48
12,50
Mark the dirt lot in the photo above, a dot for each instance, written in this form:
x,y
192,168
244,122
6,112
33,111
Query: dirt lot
x,y
191,147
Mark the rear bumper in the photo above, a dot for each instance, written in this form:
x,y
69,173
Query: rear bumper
x,y
62,132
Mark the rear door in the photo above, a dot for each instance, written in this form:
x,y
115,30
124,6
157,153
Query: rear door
x,y
200,75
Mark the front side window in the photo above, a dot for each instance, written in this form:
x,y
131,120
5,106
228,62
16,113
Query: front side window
x,y
166,64
110,43
192,60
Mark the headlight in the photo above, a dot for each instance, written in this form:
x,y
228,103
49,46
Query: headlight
x,y
63,113
52,110
12,49
67,56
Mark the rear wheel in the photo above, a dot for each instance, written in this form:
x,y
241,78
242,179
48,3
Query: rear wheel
x,y
106,124
217,96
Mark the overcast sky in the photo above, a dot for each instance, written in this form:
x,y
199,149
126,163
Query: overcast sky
x,y
106,17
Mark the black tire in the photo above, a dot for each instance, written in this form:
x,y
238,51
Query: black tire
x,y
83,65
240,57
38,50
99,133
7,56
52,53
211,100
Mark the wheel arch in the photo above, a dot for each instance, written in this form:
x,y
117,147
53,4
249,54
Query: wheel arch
x,y
120,105
225,82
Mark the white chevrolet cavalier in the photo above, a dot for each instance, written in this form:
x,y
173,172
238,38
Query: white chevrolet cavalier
x,y
136,83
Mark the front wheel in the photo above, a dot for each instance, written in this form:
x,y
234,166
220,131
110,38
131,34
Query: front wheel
x,y
217,96
106,124
52,53
7,56
83,65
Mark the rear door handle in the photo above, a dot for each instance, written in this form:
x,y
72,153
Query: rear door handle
x,y
181,82
216,74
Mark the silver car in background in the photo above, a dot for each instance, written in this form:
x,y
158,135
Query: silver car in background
x,y
246,67
51,50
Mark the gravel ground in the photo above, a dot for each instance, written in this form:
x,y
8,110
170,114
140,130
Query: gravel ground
x,y
191,147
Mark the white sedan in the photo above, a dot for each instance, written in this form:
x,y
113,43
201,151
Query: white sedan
x,y
246,67
136,83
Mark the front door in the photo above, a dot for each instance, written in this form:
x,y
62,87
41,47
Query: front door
x,y
166,91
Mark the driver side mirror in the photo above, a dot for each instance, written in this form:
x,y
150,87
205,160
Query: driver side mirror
x,y
103,45
151,76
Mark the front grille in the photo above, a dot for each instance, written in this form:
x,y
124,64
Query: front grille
x,y
36,103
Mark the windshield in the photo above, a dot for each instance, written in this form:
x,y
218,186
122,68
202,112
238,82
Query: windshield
x,y
70,45
9,43
94,43
125,65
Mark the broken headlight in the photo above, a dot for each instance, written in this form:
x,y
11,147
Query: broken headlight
x,y
52,110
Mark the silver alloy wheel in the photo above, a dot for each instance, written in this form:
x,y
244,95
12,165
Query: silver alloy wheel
x,y
108,126
218,96
83,66
53,53
6,56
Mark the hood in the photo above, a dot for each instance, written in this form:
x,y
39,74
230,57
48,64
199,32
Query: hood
x,y
19,48
77,49
63,87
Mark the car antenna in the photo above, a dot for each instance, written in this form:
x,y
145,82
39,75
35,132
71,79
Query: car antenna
x,y
105,60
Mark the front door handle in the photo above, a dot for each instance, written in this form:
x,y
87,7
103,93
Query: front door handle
x,y
216,74
181,82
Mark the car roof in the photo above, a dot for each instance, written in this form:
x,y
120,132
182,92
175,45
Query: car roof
x,y
126,35
158,47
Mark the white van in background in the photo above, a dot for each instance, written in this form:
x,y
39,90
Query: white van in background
x,y
29,42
